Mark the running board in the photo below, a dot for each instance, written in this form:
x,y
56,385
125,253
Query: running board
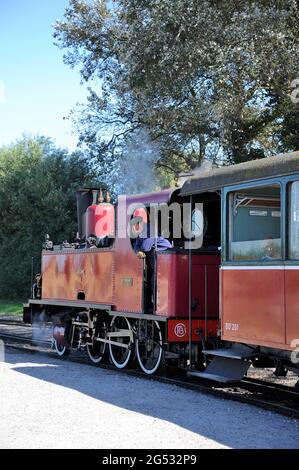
x,y
239,352
223,369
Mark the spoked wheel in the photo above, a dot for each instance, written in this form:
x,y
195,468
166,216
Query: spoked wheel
x,y
59,341
149,346
61,349
121,333
96,351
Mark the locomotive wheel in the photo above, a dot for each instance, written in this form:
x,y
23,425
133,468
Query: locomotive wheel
x,y
59,341
120,356
96,351
149,346
61,350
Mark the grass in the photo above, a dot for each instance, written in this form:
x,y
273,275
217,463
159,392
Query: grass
x,y
10,307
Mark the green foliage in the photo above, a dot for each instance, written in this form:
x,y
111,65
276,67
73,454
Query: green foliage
x,y
8,307
37,196
205,79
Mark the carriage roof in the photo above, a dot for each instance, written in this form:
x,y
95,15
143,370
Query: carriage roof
x,y
280,165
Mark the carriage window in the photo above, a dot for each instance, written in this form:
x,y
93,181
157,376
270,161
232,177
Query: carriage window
x,y
294,222
255,232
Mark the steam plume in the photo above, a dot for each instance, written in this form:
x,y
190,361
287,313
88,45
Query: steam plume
x,y
136,172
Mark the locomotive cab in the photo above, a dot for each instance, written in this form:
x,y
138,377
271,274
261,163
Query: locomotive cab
x,y
204,213
188,277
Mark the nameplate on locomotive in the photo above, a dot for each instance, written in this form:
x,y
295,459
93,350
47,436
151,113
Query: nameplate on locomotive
x,y
127,281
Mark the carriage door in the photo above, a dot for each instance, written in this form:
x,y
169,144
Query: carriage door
x,y
253,297
292,268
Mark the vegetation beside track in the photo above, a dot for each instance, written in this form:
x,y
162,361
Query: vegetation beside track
x,y
10,307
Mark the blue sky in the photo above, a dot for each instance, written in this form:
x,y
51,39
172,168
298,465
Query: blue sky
x,y
36,89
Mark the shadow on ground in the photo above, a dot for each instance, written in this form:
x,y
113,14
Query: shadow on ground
x,y
229,423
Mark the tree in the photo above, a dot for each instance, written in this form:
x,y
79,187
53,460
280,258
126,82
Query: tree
x,y
37,196
204,79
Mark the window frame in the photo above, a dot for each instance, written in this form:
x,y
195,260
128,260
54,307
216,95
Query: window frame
x,y
227,194
289,182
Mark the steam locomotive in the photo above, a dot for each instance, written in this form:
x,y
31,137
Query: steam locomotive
x,y
218,305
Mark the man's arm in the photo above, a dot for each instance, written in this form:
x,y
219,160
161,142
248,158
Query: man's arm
x,y
137,245
137,248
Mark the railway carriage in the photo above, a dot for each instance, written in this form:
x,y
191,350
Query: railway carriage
x,y
259,273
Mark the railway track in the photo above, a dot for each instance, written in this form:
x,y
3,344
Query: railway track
x,y
267,395
8,338
13,322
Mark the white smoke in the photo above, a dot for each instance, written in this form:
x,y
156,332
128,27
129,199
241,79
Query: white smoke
x,y
206,165
41,330
136,169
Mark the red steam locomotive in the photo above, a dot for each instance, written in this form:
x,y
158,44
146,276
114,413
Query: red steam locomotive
x,y
220,304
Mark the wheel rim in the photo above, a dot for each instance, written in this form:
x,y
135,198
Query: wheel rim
x,y
149,346
60,344
60,349
96,351
120,356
